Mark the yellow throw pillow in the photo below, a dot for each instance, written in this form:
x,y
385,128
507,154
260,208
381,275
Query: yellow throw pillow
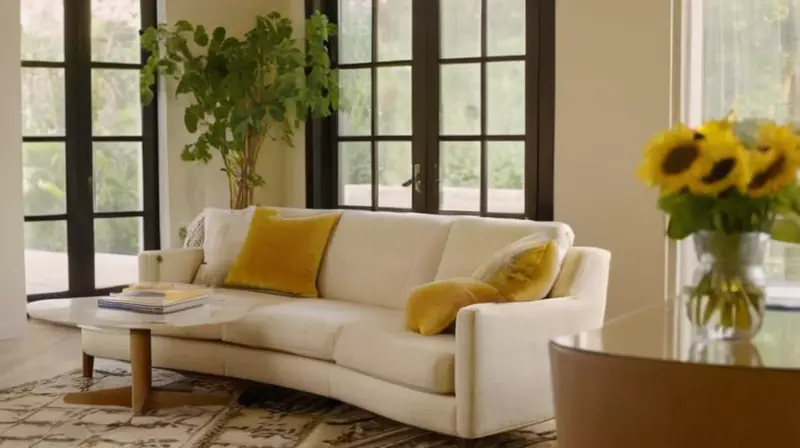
x,y
526,269
433,307
283,254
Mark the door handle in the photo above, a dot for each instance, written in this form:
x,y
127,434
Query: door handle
x,y
414,180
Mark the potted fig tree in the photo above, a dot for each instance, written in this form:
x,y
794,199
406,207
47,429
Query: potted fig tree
x,y
243,90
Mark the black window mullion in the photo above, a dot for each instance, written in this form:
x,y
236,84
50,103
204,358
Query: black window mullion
x,y
429,43
150,175
78,99
484,170
374,106
322,139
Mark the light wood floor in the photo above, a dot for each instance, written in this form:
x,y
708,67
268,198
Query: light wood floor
x,y
46,351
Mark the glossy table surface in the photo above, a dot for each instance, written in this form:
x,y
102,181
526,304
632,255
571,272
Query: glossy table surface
x,y
85,312
662,332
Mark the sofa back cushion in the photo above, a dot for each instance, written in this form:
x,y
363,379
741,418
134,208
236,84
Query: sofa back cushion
x,y
378,257
472,241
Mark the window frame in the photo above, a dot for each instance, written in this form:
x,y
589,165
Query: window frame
x,y
78,143
322,186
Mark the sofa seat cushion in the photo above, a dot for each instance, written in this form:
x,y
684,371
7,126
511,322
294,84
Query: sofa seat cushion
x,y
386,350
306,327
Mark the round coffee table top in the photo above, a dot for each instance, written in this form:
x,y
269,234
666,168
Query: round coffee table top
x,y
84,312
662,333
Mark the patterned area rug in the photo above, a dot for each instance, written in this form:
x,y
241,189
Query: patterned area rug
x,y
34,415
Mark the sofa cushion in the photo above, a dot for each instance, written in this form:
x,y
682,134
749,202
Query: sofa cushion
x,y
306,327
377,257
472,241
384,349
283,254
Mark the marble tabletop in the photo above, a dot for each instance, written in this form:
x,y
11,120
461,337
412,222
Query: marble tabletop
x,y
85,312
662,332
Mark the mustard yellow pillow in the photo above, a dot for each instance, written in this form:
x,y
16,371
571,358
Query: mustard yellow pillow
x,y
283,254
525,269
433,307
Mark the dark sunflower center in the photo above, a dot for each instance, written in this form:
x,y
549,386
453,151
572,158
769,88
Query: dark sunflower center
x,y
719,171
679,159
761,179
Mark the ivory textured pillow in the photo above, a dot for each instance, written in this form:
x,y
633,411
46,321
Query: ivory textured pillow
x,y
527,268
224,234
433,307
283,254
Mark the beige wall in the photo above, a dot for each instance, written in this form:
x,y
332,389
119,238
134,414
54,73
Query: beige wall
x,y
12,261
613,91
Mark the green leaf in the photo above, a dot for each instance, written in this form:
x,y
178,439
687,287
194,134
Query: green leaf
x,y
786,230
190,119
678,228
183,25
149,38
200,36
219,34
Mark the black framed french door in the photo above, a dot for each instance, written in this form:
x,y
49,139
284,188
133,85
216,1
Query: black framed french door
x,y
89,148
447,107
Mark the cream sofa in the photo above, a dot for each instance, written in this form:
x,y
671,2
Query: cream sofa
x,y
493,375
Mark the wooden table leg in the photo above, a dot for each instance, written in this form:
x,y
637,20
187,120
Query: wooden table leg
x,y
141,396
87,366
141,370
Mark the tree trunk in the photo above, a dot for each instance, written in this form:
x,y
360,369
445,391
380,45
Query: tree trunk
x,y
241,194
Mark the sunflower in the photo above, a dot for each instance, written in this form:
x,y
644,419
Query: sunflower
x,y
727,157
673,158
774,160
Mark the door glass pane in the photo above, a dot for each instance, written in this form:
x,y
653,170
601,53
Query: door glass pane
x,y
355,174
115,30
505,95
394,169
355,111
46,268
43,102
117,243
44,178
116,105
505,20
460,111
460,28
506,172
117,177
42,30
394,101
355,31
394,30
460,176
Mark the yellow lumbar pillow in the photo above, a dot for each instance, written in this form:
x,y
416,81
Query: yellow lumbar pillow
x,y
433,307
525,269
283,254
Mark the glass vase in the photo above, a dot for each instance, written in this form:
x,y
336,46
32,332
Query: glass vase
x,y
725,300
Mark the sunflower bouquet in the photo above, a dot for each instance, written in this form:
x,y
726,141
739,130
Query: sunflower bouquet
x,y
732,185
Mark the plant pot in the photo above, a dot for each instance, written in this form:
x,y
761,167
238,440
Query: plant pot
x,y
725,300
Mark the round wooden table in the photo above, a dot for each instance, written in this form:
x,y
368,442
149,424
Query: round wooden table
x,y
141,396
641,381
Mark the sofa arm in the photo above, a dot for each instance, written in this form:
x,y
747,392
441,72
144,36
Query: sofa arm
x,y
502,371
170,265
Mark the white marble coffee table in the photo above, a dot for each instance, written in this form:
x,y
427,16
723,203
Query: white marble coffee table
x,y
141,395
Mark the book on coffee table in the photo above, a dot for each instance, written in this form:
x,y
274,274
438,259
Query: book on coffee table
x,y
156,298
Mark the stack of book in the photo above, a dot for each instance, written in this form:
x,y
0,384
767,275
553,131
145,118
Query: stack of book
x,y
156,298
